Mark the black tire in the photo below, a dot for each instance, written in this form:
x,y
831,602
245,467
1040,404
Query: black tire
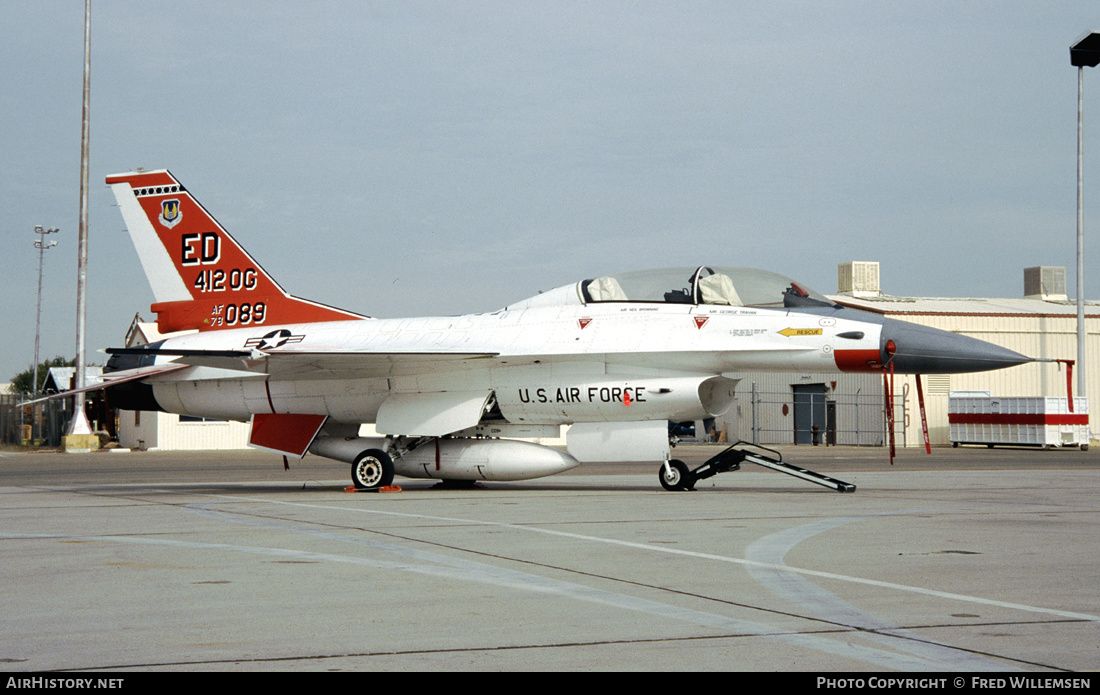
x,y
372,469
674,480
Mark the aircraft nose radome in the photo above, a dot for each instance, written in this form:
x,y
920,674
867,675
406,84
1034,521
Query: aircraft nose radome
x,y
924,350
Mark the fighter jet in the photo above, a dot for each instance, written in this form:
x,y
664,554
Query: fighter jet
x,y
615,357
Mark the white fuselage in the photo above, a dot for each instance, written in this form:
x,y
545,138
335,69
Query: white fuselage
x,y
546,365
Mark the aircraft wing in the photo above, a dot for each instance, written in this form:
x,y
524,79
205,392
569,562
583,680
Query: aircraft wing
x,y
316,364
337,363
324,365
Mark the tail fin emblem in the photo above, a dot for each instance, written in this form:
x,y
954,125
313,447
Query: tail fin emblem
x,y
170,214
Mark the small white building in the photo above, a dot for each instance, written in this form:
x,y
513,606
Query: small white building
x,y
154,431
60,379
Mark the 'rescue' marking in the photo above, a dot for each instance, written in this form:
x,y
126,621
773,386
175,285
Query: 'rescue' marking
x,y
799,331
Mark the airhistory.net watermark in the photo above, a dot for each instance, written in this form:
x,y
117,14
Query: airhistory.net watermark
x,y
44,682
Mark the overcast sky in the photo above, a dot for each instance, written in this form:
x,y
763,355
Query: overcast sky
x,y
431,158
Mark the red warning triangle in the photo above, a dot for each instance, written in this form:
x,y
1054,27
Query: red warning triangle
x,y
700,321
584,322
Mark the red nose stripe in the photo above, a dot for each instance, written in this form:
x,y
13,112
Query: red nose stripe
x,y
857,360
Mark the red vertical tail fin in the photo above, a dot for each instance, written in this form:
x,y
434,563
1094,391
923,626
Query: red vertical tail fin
x,y
201,277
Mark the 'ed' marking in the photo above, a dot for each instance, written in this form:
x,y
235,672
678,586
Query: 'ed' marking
x,y
201,249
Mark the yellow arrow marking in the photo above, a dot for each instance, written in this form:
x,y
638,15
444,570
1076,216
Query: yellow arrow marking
x,y
800,331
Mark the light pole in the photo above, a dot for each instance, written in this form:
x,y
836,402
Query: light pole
x,y
79,437
42,247
1085,52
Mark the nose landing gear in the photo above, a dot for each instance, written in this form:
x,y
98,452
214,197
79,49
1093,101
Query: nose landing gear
x,y
675,475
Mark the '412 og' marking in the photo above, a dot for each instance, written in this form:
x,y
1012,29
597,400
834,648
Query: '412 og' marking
x,y
218,280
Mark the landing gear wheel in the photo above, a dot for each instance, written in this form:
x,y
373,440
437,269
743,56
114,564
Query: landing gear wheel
x,y
673,476
372,469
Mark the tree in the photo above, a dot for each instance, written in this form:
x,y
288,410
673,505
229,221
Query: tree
x,y
22,381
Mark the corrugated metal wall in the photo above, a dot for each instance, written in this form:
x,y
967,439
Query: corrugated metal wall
x,y
224,434
165,431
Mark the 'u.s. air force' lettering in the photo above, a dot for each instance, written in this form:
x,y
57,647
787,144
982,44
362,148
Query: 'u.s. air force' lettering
x,y
584,394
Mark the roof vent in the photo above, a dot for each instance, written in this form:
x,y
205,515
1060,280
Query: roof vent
x,y
1045,282
858,279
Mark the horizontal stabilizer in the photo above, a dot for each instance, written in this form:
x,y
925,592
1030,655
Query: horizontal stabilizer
x,y
115,378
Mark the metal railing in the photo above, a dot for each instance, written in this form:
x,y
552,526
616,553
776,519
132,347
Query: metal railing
x,y
42,423
778,417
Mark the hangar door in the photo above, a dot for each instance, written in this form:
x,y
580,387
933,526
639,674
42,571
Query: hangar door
x,y
810,410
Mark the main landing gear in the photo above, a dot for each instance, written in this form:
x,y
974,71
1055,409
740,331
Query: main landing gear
x,y
676,476
372,469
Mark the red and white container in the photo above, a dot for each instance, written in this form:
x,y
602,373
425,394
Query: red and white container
x,y
976,417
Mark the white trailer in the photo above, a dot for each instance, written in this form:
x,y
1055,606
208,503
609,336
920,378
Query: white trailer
x,y
977,417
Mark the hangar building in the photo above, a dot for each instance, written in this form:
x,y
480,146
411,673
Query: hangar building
x,y
1042,323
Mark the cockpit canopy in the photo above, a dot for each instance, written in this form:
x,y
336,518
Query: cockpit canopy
x,y
723,286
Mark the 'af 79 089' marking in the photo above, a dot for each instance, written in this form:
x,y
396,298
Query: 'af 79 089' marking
x,y
237,314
